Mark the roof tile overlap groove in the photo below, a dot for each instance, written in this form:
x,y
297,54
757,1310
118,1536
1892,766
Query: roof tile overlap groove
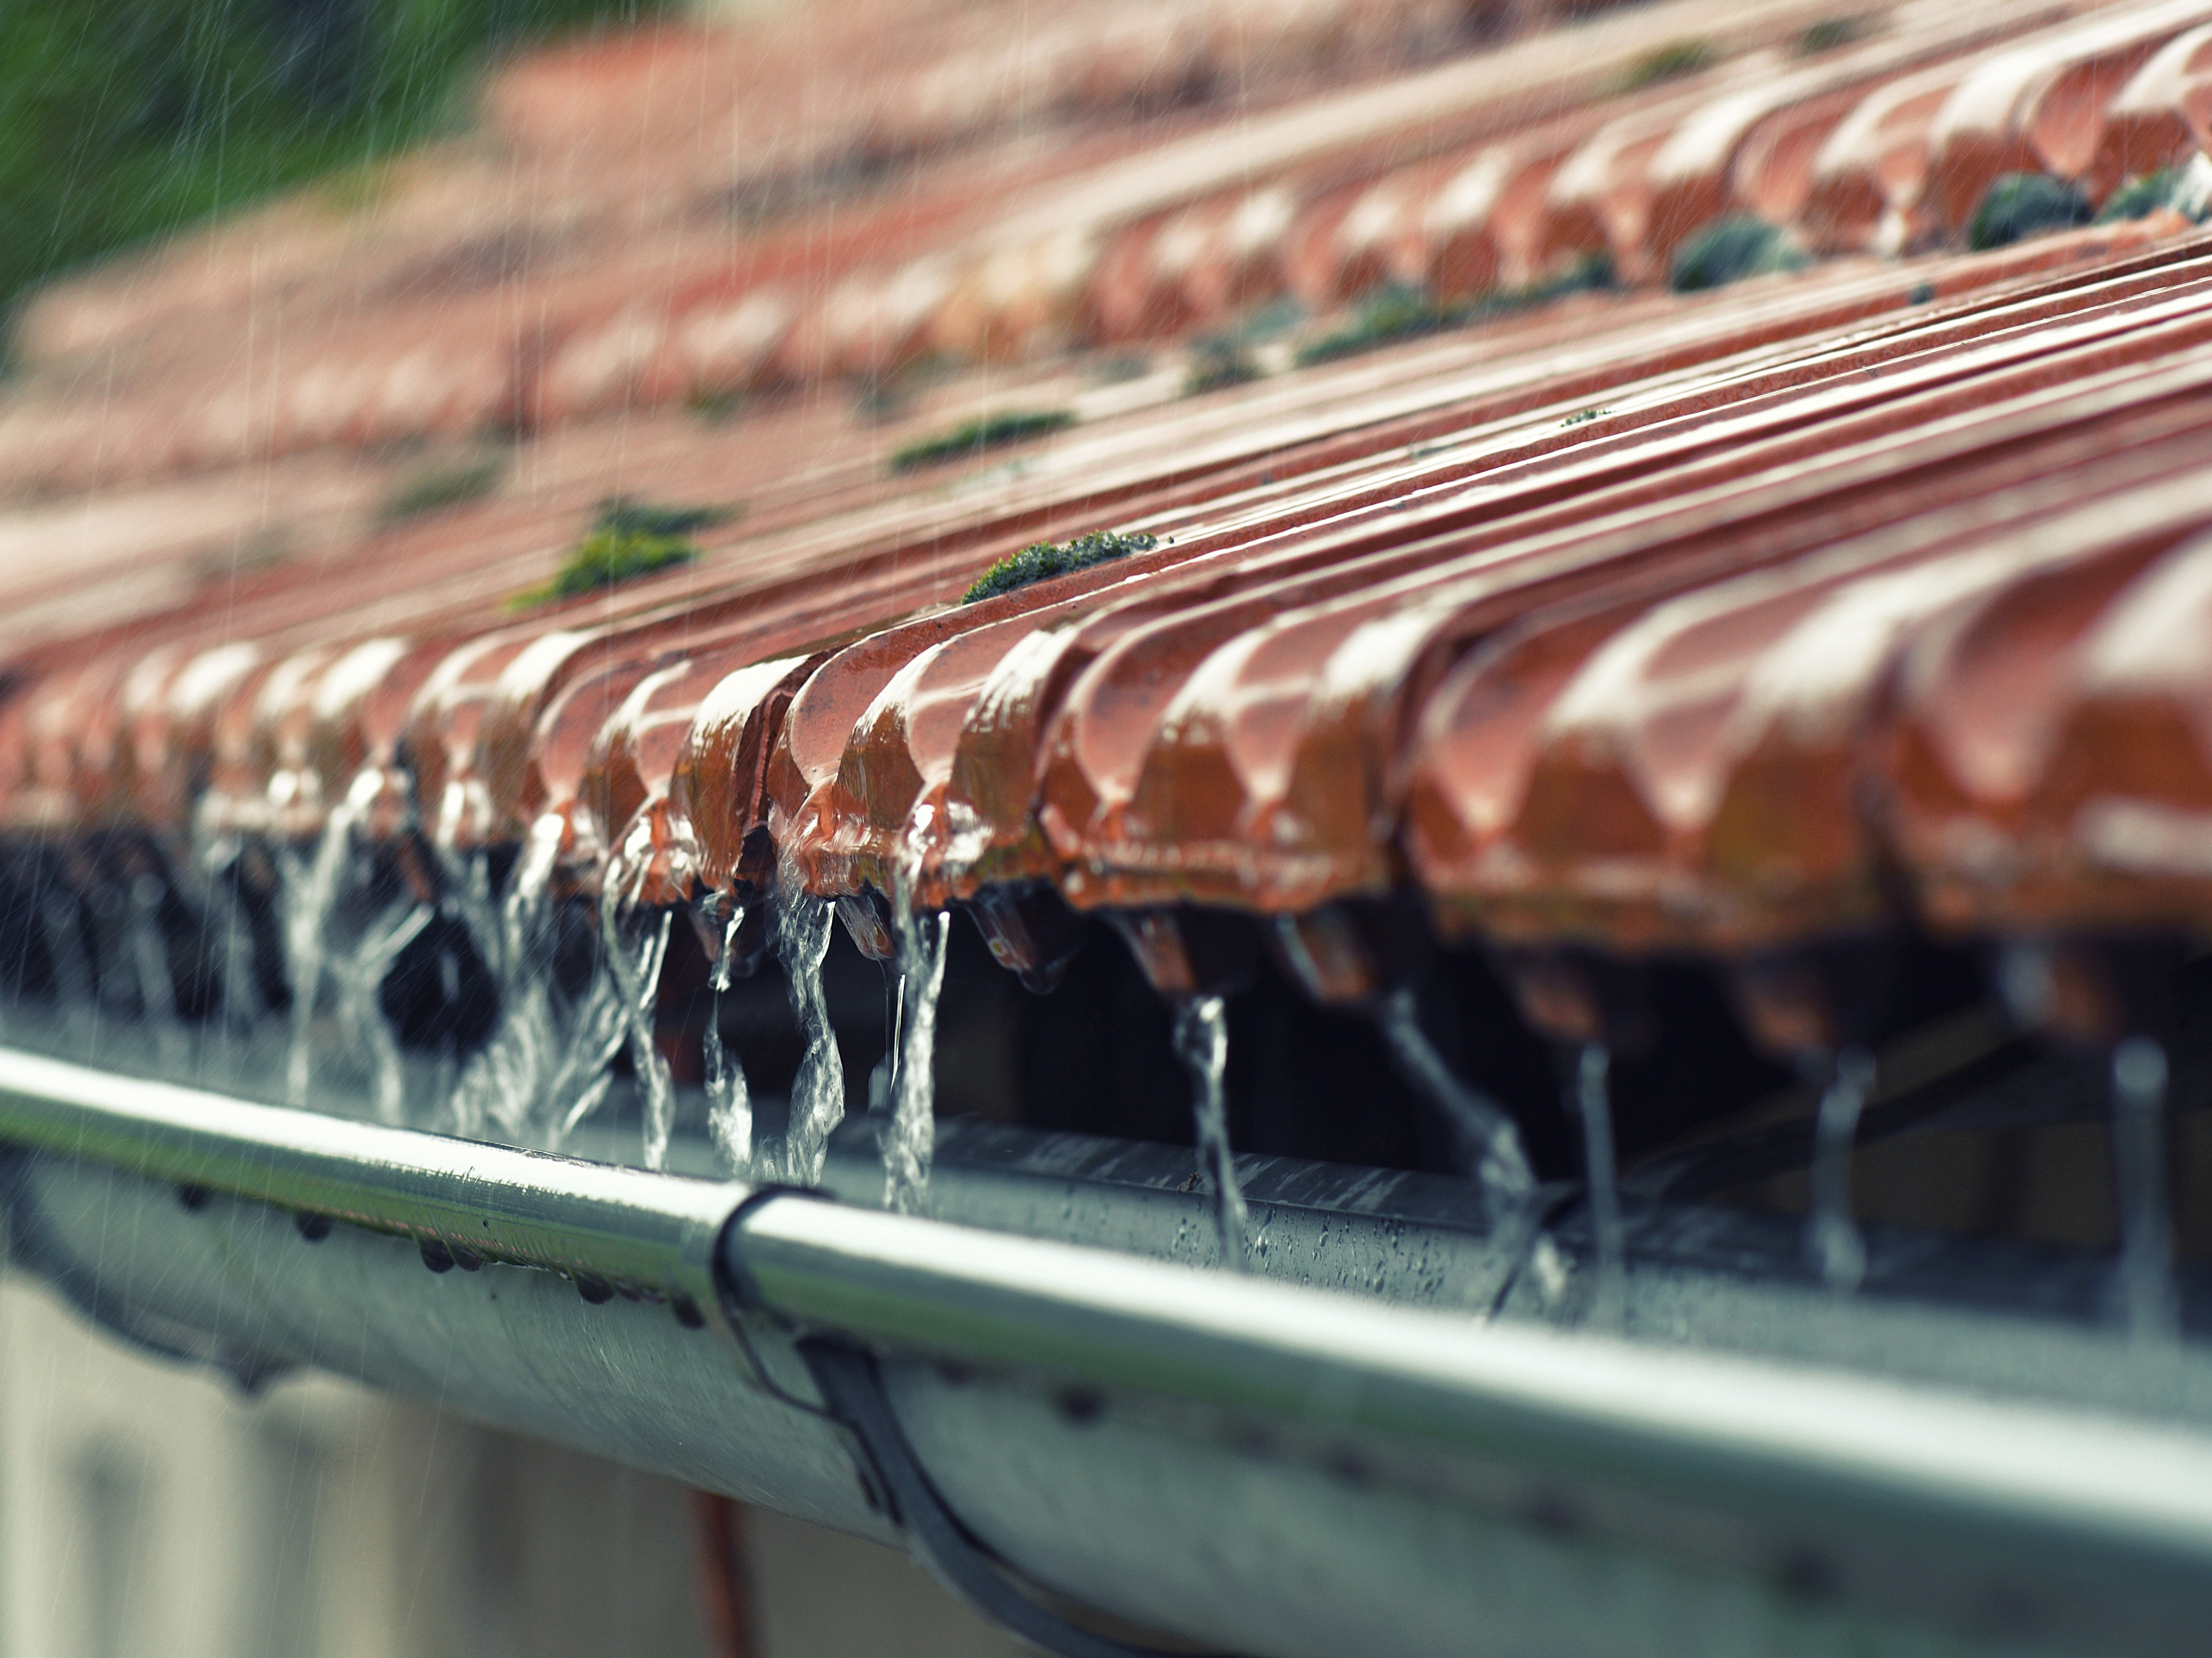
x,y
1627,621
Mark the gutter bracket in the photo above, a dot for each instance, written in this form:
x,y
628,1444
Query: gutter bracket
x,y
853,1387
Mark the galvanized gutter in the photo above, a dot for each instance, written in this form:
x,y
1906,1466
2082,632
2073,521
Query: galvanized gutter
x,y
1381,1474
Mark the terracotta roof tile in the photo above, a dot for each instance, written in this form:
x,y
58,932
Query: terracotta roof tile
x,y
1627,623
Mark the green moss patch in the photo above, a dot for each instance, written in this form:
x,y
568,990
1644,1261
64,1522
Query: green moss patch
x,y
974,437
435,489
1670,62
1399,312
2185,188
628,539
1042,559
1217,361
1727,250
714,407
2021,205
2139,198
1829,34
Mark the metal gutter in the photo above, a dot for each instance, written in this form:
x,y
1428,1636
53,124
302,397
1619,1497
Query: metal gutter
x,y
1282,1469
1890,1459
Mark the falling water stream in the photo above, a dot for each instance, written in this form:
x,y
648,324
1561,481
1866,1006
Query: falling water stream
x,y
581,1082
910,1138
1490,1140
65,937
1202,1039
1832,1237
818,1092
505,1081
600,1025
311,892
635,941
315,894
2146,1286
729,1100
157,986
1594,1106
360,974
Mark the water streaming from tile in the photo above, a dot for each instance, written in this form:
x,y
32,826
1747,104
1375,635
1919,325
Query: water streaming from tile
x,y
157,986
1489,1140
503,1083
1831,1236
909,1141
1201,1041
312,890
1607,1304
360,974
2146,1285
633,941
818,1092
729,1099
62,929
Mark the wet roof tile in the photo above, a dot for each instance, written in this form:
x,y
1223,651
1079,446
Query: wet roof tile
x,y
1585,623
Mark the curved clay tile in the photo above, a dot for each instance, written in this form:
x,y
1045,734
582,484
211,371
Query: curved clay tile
x,y
2082,806
1261,772
717,789
1018,298
1598,201
1696,775
1249,260
1365,244
2159,116
728,345
2039,107
1483,228
1867,179
1754,149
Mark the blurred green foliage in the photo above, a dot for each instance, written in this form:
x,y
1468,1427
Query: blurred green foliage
x,y
122,120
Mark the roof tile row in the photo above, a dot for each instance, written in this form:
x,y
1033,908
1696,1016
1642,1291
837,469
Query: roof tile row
x,y
1737,625
482,296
